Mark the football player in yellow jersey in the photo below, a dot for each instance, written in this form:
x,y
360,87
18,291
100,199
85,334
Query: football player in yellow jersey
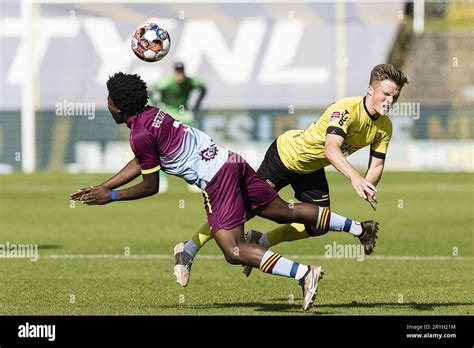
x,y
298,158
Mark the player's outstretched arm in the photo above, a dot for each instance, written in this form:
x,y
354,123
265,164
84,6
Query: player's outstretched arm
x,y
102,195
333,152
124,176
128,173
374,170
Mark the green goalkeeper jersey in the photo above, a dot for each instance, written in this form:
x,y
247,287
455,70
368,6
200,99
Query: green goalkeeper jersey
x,y
174,96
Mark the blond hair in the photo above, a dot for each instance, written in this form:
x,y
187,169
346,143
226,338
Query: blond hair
x,y
388,72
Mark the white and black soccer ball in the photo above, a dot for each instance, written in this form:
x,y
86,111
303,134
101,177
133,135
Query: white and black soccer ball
x,y
151,43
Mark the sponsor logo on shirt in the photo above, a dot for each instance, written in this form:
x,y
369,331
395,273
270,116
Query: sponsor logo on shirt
x,y
344,118
335,115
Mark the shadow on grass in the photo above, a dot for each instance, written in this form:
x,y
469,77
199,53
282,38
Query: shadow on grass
x,y
259,307
41,246
320,308
393,305
49,246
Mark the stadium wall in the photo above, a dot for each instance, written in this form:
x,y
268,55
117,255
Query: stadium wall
x,y
432,138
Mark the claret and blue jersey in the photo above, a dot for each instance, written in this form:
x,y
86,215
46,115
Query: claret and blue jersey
x,y
161,142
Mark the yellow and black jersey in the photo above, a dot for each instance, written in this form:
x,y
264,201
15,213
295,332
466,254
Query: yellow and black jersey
x,y
302,151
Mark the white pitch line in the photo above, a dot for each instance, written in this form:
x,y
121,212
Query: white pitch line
x,y
218,257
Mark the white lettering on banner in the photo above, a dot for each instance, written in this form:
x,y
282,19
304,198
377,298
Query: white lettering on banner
x,y
215,126
277,61
238,127
241,126
112,53
11,27
234,65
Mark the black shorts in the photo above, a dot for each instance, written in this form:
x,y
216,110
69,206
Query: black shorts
x,y
309,188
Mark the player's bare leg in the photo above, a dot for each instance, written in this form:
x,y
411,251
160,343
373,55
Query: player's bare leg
x,y
184,252
236,251
320,220
283,213
315,219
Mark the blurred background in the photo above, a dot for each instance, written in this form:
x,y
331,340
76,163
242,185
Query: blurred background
x,y
267,67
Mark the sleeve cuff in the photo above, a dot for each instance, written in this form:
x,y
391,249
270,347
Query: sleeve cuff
x,y
377,154
151,170
336,131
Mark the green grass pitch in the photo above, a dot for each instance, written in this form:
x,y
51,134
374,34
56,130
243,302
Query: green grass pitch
x,y
421,214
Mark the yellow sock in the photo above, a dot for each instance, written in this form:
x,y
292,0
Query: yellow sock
x,y
203,235
286,233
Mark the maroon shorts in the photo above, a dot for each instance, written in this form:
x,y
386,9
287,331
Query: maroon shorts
x,y
234,190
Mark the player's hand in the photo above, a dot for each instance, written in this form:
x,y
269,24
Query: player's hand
x,y
365,190
97,196
372,201
77,195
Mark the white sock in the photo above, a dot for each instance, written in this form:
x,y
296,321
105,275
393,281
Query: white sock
x,y
356,228
340,223
276,264
191,248
302,269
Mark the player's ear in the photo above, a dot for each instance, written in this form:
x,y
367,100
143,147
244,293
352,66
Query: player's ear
x,y
370,90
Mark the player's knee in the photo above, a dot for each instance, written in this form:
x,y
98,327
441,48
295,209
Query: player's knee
x,y
232,255
233,260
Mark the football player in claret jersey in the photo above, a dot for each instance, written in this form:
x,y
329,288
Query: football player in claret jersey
x,y
232,190
298,158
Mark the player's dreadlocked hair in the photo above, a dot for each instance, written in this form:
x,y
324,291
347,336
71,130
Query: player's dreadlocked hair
x,y
128,92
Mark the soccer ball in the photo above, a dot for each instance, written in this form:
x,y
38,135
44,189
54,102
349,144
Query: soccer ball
x,y
151,43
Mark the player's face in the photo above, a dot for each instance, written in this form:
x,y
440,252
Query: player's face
x,y
179,76
118,118
383,95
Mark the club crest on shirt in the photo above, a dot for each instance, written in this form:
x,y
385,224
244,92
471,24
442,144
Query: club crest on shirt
x,y
335,115
209,153
378,135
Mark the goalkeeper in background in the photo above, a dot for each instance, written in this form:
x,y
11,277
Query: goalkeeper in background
x,y
171,94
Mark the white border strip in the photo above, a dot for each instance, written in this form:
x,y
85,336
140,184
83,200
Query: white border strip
x,y
197,2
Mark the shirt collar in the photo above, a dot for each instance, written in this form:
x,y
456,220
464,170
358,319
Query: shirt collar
x,y
133,118
372,117
130,120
